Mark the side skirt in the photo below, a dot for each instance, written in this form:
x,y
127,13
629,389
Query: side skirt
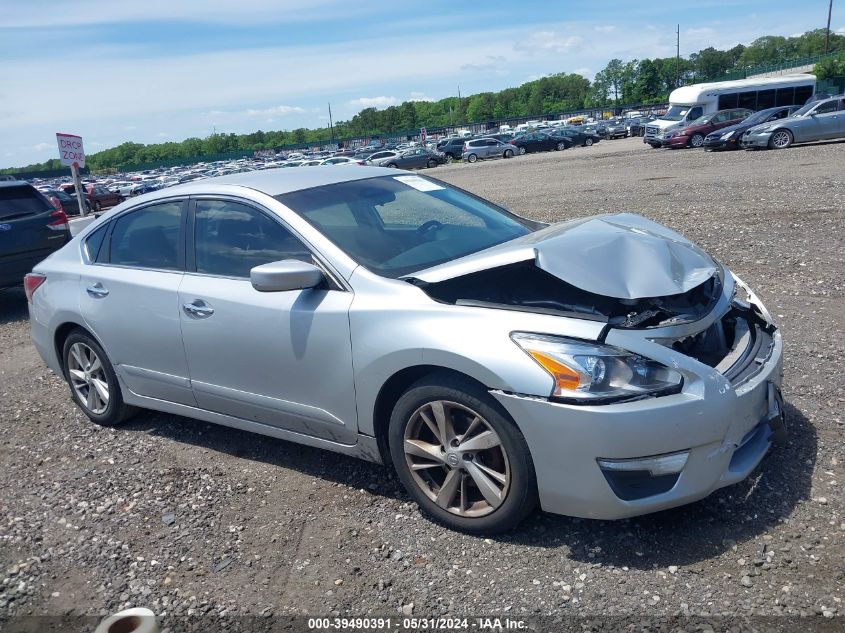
x,y
365,448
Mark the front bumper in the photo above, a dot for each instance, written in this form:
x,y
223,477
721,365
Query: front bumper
x,y
726,430
676,142
718,143
755,141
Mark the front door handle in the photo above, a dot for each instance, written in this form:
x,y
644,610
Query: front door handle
x,y
97,290
198,308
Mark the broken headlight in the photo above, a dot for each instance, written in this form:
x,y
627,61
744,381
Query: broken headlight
x,y
592,373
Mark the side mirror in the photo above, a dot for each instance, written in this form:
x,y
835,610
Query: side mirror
x,y
288,274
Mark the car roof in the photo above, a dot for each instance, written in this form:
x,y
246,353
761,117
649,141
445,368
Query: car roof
x,y
274,182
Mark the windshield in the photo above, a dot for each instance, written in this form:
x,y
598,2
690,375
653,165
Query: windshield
x,y
395,225
805,109
675,113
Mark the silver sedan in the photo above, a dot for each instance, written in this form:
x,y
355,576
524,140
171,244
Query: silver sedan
x,y
816,121
494,361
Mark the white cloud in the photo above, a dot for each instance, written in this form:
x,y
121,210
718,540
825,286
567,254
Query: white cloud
x,y
374,102
841,30
40,147
605,28
548,41
161,134
281,110
420,96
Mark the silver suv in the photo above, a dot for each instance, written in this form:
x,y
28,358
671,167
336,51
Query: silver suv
x,y
487,148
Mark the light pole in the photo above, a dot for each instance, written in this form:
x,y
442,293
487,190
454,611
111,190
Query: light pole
x,y
827,33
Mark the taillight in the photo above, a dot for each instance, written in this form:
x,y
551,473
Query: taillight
x,y
56,203
31,282
60,223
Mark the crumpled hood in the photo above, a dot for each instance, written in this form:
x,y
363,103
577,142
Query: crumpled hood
x,y
625,256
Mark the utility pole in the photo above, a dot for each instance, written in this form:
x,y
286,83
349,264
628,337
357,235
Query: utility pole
x,y
678,58
827,35
331,124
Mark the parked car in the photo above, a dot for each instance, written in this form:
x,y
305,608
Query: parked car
x,y
97,197
62,201
816,121
728,137
414,159
505,137
341,160
616,129
31,228
693,135
636,126
541,142
487,148
493,360
452,147
578,137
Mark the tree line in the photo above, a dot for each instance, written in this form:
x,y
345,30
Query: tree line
x,y
645,81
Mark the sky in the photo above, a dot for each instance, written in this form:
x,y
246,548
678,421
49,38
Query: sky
x,y
149,71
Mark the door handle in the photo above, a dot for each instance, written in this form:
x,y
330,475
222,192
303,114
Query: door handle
x,y
198,308
97,290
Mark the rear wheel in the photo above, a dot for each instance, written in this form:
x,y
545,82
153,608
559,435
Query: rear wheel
x,y
781,139
392,165
93,383
98,207
561,146
508,153
588,142
696,140
472,158
460,456
431,163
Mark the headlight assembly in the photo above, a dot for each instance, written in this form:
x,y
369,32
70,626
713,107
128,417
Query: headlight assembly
x,y
727,135
591,373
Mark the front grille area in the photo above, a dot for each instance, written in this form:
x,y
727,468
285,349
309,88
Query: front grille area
x,y
651,131
737,345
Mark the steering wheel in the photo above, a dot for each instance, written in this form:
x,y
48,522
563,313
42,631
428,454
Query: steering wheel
x,y
429,227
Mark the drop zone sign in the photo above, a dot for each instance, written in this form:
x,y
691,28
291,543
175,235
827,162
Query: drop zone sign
x,y
70,149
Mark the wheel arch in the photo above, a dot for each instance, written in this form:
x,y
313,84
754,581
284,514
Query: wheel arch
x,y
397,384
61,334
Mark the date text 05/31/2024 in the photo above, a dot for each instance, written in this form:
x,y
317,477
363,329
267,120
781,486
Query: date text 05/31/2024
x,y
378,625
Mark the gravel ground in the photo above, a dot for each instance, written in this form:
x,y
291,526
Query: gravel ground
x,y
190,518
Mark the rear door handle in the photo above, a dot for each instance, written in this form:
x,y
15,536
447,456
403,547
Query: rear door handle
x,y
198,308
97,290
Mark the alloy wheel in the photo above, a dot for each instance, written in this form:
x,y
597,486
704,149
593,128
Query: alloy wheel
x,y
457,459
521,150
697,140
780,139
88,378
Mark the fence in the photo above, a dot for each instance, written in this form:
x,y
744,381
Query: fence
x,y
771,68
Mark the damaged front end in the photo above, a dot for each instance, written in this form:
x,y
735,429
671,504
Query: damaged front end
x,y
526,287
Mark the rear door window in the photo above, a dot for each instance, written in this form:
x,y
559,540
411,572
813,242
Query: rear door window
x,y
149,237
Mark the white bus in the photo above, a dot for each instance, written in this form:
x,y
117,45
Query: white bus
x,y
690,102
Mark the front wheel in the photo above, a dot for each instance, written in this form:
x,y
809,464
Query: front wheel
x,y
655,145
508,153
697,140
521,151
561,146
431,163
588,142
460,457
781,139
93,383
472,158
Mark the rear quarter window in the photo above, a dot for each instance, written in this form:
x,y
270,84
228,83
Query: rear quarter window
x,y
94,243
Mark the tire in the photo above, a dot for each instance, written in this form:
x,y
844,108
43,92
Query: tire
x,y
781,139
98,207
588,142
508,153
521,151
391,165
561,146
464,507
654,145
431,164
80,348
472,158
696,140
